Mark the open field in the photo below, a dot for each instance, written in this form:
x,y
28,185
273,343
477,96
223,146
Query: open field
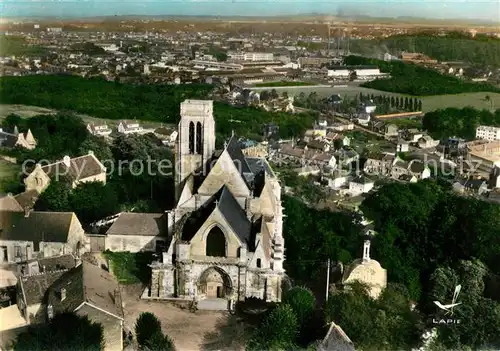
x,y
26,111
429,103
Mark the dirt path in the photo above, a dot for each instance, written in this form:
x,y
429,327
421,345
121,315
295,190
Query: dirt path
x,y
204,330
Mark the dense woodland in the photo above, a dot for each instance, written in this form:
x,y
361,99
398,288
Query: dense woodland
x,y
416,80
426,248
481,50
462,123
158,103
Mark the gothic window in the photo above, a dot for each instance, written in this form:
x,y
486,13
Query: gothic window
x,y
216,243
191,137
199,137
259,263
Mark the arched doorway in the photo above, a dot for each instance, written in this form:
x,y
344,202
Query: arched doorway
x,y
216,243
215,283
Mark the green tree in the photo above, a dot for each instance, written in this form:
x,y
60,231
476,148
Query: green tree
x,y
92,201
146,326
85,335
99,146
158,342
302,301
55,197
278,330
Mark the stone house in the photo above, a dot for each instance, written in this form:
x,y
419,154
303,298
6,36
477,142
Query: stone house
x,y
136,232
126,127
360,184
99,129
85,289
40,234
77,170
413,168
346,157
403,146
24,140
379,164
426,142
287,152
226,241
332,137
391,130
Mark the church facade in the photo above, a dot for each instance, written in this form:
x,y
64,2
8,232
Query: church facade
x,y
226,232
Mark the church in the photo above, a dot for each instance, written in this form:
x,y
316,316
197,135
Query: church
x,y
226,232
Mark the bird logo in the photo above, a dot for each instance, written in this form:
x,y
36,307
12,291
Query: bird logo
x,y
449,308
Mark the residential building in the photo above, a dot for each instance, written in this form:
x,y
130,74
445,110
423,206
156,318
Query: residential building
x,y
426,142
75,170
366,270
99,129
86,289
227,229
360,184
391,130
26,236
127,127
403,146
410,168
471,186
136,232
14,138
287,152
488,133
379,164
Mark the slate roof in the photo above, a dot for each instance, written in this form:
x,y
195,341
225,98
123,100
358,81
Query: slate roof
x,y
85,283
57,263
230,209
36,227
336,340
361,179
147,224
80,168
35,286
234,215
234,150
27,199
9,203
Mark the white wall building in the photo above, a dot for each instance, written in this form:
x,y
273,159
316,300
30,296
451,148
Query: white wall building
x,y
488,133
250,56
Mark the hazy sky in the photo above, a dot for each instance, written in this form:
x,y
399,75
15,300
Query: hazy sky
x,y
472,9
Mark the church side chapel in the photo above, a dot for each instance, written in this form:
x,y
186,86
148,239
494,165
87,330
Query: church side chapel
x,y
226,233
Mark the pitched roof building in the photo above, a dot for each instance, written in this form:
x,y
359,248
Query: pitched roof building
x,y
225,235
86,168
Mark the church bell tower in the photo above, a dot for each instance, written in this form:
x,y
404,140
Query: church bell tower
x,y
195,141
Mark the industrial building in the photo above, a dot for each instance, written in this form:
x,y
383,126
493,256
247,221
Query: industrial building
x,y
362,72
217,66
250,56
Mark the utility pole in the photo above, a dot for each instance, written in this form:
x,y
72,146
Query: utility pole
x,y
327,279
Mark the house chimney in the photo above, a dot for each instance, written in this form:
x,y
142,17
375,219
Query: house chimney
x,y
27,211
63,294
67,161
91,152
366,251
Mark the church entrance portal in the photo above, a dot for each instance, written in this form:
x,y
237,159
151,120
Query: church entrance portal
x,y
214,283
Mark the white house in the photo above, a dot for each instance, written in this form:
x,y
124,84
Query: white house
x,y
129,127
488,133
99,129
359,185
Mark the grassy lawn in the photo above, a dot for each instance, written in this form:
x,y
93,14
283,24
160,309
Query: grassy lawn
x,y
283,84
407,123
130,268
429,103
9,173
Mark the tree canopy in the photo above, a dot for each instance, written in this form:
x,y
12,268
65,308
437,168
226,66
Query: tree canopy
x,y
159,103
411,79
454,46
462,123
149,335
66,331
